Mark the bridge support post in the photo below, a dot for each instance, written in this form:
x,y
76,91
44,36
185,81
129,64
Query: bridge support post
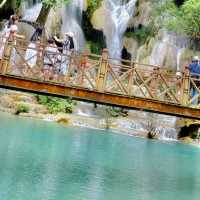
x,y
154,82
186,86
130,79
102,73
6,57
70,67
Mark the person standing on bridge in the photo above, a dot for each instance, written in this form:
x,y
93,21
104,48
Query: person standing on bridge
x,y
194,68
8,30
12,37
67,47
34,51
50,59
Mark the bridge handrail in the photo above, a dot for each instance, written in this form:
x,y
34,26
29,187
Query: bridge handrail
x,y
24,43
101,73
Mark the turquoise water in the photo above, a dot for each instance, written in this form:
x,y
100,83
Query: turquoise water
x,y
46,161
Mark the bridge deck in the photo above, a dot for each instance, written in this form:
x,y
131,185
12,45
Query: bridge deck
x,y
49,88
99,79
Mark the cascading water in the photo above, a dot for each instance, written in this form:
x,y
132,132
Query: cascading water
x,y
118,16
31,9
161,49
71,21
180,51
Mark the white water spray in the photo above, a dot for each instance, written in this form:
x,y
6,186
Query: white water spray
x,y
118,16
71,21
31,10
161,49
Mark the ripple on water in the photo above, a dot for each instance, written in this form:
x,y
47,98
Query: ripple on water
x,y
41,160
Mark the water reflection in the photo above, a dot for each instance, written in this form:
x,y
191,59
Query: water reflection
x,y
41,160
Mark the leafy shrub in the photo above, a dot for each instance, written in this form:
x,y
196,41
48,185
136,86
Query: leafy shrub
x,y
95,47
117,111
55,104
21,108
184,20
92,6
141,34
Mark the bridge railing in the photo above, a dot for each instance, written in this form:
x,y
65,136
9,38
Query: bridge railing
x,y
100,73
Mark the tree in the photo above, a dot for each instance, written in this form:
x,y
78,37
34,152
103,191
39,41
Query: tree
x,y
46,6
186,20
191,18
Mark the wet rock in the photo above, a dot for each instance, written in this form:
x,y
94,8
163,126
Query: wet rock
x,y
98,18
131,46
6,101
63,121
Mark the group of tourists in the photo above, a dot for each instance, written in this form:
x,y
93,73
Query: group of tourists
x,y
54,56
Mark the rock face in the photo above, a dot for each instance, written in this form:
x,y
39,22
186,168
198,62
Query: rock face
x,y
132,46
164,50
98,18
12,100
142,14
53,23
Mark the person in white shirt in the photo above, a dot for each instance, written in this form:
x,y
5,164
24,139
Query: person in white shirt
x,y
11,34
50,58
33,51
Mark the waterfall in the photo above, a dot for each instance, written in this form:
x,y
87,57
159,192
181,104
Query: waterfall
x,y
31,9
71,21
161,49
167,130
118,16
167,133
180,51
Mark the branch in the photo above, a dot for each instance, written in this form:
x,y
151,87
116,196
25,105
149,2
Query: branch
x,y
3,3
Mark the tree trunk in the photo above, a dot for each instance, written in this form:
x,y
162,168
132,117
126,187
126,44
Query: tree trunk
x,y
41,20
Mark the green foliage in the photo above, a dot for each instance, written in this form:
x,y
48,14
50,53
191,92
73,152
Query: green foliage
x,y
141,34
95,47
21,108
55,104
163,12
92,6
54,3
184,20
190,13
116,112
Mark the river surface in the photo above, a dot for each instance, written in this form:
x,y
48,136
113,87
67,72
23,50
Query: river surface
x,y
46,161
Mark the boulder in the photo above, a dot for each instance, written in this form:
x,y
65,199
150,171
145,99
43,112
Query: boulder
x,y
98,18
131,46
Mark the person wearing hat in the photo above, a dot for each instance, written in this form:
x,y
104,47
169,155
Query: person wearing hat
x,y
67,44
194,68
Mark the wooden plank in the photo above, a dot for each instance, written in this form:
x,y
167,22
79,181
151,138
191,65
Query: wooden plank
x,y
28,85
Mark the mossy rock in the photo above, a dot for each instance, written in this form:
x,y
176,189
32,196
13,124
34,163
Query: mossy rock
x,y
63,121
186,140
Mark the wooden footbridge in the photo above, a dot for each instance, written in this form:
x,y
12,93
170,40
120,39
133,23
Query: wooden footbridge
x,y
98,79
